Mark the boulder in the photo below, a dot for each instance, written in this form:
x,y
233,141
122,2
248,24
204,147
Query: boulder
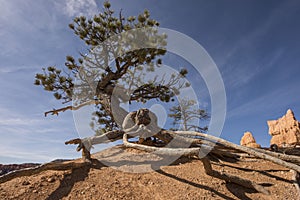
x,y
249,141
285,130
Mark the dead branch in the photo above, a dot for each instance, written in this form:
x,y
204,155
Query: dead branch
x,y
57,111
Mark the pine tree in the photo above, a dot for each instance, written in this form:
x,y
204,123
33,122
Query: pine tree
x,y
99,78
185,114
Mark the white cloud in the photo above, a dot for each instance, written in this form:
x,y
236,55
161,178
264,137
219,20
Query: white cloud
x,y
17,121
14,69
78,7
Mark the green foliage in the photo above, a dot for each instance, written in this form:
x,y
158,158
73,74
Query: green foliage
x,y
128,68
102,26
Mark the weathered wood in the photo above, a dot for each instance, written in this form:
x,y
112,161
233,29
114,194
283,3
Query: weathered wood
x,y
248,150
162,150
85,144
285,157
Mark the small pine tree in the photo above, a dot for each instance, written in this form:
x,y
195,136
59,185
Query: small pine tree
x,y
184,115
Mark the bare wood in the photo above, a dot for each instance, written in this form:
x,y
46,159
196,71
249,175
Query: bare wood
x,y
105,138
163,135
289,158
251,151
162,151
47,166
86,144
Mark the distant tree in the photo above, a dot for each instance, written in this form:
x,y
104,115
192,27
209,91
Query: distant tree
x,y
107,65
185,115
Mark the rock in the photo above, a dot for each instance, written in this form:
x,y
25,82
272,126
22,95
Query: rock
x,y
253,145
25,183
22,191
51,180
249,141
285,131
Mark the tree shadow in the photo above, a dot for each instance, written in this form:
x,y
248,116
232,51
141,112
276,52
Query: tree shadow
x,y
263,172
183,160
239,191
68,182
194,184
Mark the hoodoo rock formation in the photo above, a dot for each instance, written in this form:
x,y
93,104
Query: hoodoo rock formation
x,y
285,130
249,141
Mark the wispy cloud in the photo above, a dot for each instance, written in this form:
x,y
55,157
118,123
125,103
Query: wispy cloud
x,y
74,8
18,121
239,69
28,30
267,104
31,137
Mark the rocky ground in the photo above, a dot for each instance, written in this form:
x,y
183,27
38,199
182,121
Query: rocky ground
x,y
184,179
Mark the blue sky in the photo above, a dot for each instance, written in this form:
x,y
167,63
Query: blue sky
x,y
255,45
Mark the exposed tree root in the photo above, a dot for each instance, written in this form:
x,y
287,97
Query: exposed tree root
x,y
205,161
214,144
248,150
162,151
199,143
285,157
